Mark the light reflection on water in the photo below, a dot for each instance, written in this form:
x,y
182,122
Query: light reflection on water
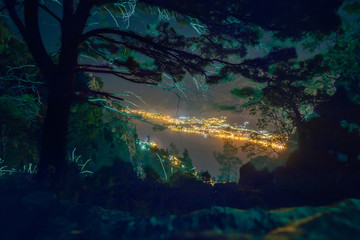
x,y
201,149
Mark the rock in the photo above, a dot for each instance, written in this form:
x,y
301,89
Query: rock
x,y
341,221
66,220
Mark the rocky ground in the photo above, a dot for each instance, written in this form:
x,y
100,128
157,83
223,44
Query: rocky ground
x,y
41,215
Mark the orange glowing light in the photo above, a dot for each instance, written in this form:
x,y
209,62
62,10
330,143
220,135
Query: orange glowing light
x,y
212,127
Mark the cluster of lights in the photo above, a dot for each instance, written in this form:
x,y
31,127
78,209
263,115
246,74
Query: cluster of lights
x,y
175,161
212,127
145,144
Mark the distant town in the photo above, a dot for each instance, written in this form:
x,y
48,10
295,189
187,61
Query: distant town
x,y
211,127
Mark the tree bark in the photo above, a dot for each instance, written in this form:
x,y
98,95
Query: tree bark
x,y
52,164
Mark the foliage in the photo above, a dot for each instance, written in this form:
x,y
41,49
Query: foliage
x,y
244,92
97,133
179,179
228,161
173,150
151,176
21,106
165,162
186,161
287,93
284,97
344,58
205,176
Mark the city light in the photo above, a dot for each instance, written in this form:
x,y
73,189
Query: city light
x,y
212,127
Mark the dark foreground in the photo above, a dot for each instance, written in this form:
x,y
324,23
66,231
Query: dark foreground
x,y
41,215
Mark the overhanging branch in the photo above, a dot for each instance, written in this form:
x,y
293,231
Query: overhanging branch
x,y
127,76
10,6
46,9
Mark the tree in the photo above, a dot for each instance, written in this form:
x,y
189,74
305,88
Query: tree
x,y
284,98
343,58
324,100
325,87
226,29
337,130
186,162
173,150
228,161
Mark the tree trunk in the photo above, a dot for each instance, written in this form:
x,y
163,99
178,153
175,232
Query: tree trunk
x,y
52,165
54,169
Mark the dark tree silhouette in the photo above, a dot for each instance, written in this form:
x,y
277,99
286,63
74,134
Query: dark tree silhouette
x,y
228,161
290,91
226,28
187,162
205,176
